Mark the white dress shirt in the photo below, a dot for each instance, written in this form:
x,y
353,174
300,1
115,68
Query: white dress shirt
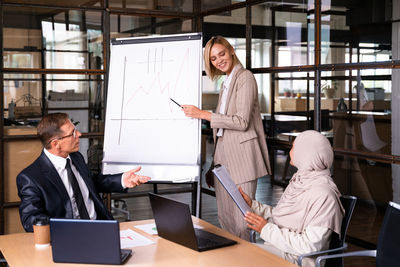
x,y
59,164
224,96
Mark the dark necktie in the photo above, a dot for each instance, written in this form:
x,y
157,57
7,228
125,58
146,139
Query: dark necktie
x,y
83,213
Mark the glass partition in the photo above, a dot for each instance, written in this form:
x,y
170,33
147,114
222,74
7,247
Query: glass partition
x,y
51,39
365,28
334,33
165,5
75,85
58,2
12,58
293,31
364,121
22,96
291,91
22,38
228,25
210,4
260,53
369,89
264,91
366,179
68,91
371,182
288,28
122,26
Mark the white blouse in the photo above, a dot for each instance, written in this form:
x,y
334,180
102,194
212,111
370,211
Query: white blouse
x,y
313,238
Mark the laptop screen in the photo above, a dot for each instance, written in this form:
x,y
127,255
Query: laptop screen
x,y
174,222
85,241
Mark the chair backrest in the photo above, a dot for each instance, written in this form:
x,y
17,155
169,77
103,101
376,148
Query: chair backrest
x,y
388,247
348,203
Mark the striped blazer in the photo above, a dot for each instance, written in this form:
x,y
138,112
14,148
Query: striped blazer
x,y
244,148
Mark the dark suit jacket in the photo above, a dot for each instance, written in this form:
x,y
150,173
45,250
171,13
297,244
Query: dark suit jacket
x,y
43,193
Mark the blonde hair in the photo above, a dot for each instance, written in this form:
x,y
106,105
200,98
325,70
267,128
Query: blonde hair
x,y
212,72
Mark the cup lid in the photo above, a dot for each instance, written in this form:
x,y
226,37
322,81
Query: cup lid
x,y
41,221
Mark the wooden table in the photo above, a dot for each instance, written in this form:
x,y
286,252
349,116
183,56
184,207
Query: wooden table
x,y
285,123
19,251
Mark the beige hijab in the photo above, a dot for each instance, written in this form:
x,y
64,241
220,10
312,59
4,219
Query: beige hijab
x,y
311,198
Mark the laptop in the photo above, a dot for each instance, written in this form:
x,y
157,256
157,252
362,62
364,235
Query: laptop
x,y
174,222
86,241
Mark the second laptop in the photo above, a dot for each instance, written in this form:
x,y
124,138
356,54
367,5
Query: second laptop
x,y
174,222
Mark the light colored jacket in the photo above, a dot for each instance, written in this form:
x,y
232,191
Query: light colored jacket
x,y
245,152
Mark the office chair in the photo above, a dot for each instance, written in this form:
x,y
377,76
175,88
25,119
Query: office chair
x,y
253,236
388,247
337,243
115,206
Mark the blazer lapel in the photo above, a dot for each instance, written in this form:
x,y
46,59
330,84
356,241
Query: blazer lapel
x,y
231,85
51,174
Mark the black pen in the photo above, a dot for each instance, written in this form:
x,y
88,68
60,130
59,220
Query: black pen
x,y
176,102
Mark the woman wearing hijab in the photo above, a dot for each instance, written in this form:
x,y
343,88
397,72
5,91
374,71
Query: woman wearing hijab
x,y
237,130
309,209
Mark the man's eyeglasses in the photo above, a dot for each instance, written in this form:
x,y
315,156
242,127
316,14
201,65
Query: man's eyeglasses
x,y
62,137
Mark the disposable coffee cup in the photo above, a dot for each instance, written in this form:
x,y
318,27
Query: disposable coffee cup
x,y
41,233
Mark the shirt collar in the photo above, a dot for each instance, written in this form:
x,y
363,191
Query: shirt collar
x,y
58,162
229,77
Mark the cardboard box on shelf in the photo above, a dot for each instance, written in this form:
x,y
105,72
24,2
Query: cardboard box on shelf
x,y
21,112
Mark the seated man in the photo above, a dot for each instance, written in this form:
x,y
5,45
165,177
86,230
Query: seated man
x,y
58,183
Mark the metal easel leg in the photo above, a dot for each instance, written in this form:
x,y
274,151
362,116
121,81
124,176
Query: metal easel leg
x,y
124,208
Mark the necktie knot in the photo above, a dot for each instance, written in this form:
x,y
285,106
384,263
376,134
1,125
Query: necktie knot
x,y
68,164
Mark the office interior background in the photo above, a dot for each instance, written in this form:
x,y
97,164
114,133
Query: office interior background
x,y
328,65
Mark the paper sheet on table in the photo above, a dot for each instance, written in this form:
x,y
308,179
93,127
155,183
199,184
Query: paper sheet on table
x,y
130,239
226,180
150,228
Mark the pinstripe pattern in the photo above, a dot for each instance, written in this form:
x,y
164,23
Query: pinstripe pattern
x,y
242,148
229,216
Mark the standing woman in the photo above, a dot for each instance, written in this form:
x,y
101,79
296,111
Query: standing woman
x,y
237,130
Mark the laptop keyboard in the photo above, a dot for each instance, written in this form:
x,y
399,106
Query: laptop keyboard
x,y
205,242
125,254
209,240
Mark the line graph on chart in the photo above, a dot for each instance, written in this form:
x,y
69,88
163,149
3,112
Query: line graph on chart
x,y
150,77
149,84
